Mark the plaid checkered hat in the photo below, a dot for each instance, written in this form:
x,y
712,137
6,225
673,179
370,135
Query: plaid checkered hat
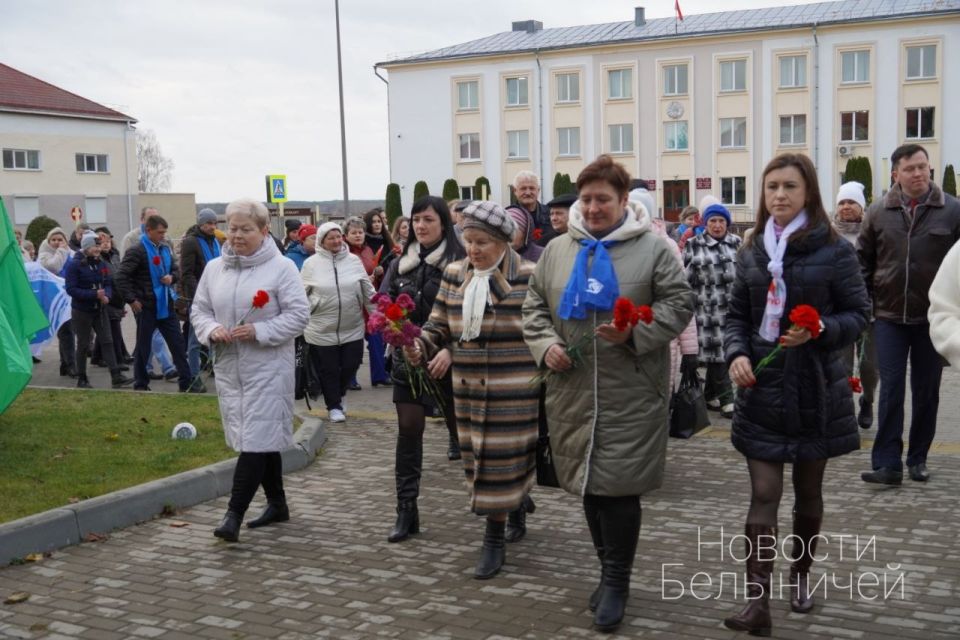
x,y
490,217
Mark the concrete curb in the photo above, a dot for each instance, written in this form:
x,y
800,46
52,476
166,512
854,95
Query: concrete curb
x,y
69,524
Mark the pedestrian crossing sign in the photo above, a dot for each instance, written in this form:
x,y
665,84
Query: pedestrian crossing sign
x,y
276,188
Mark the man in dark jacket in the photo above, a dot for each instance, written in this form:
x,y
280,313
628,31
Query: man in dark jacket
x,y
526,187
902,242
145,278
199,246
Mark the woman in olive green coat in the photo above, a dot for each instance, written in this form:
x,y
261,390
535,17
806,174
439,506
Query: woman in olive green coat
x,y
607,416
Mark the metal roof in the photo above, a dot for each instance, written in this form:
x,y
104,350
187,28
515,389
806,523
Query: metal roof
x,y
703,24
25,93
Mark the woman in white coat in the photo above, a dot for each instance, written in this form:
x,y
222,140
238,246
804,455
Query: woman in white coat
x,y
250,304
944,312
338,290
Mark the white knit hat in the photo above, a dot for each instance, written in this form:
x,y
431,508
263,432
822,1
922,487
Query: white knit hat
x,y
852,191
326,228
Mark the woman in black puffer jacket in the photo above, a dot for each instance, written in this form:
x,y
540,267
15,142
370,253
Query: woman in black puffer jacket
x,y
429,249
799,409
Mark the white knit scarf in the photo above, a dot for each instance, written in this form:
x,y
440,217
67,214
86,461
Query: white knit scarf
x,y
777,292
475,299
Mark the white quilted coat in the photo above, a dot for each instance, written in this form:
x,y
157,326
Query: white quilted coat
x,y
255,379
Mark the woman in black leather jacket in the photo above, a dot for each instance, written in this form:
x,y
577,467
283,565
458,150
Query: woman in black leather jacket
x,y
416,272
799,409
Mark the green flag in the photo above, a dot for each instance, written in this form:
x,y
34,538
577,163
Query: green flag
x,y
20,316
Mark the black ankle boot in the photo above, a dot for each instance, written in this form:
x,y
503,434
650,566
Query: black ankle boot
x,y
408,522
620,527
83,383
865,417
273,513
453,450
68,370
493,553
117,379
517,520
229,528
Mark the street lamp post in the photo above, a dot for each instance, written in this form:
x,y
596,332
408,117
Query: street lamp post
x,y
343,129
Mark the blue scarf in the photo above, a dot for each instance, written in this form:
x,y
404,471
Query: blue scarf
x,y
208,252
596,288
163,293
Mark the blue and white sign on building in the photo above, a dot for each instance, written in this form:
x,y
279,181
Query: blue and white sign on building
x,y
276,188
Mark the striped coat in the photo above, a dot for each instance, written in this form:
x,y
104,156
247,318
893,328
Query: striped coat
x,y
495,404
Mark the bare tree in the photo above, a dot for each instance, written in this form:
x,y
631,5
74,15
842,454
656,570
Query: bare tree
x,y
154,169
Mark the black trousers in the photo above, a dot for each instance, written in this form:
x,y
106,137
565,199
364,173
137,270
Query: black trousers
x,y
116,331
336,365
85,321
169,328
717,385
68,347
252,471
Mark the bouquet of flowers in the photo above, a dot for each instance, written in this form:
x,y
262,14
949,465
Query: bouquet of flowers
x,y
854,380
803,316
391,320
260,300
625,314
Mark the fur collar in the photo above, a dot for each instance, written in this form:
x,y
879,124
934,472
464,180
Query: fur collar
x,y
410,260
633,226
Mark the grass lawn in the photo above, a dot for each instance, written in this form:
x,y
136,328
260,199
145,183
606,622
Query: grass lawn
x,y
59,446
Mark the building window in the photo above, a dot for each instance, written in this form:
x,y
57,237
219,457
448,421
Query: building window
x,y
675,80
568,141
466,193
855,66
675,136
793,72
91,163
621,138
25,209
517,92
793,129
922,62
618,84
568,87
468,94
518,144
733,133
733,75
733,190
920,123
854,126
469,146
25,159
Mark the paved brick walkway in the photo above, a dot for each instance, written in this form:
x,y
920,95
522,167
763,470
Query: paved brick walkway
x,y
330,572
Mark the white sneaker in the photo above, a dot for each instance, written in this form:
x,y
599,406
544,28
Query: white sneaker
x,y
337,415
727,410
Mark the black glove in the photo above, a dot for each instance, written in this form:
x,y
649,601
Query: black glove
x,y
688,363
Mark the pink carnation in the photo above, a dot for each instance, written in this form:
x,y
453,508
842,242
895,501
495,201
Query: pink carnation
x,y
382,301
410,330
406,302
393,336
376,322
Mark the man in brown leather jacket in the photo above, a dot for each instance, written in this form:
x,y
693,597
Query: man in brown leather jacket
x,y
902,242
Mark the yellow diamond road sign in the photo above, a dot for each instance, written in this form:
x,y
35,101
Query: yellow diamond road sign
x,y
276,188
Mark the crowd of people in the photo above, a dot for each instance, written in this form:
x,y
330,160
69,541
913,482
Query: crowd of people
x,y
514,319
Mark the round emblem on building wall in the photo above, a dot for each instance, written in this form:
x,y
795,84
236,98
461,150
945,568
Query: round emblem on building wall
x,y
675,110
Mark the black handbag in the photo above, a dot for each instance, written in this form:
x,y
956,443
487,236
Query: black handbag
x,y
546,472
688,408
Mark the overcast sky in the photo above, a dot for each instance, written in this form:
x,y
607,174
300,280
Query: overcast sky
x,y
236,89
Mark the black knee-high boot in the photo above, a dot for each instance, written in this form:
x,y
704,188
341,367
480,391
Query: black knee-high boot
x,y
620,530
276,510
246,479
591,509
409,460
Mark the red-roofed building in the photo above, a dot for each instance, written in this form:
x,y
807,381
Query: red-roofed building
x,y
60,151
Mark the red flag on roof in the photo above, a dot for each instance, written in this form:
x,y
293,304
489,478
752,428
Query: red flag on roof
x,y
676,5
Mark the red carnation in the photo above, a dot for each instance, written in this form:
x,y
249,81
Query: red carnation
x,y
855,385
806,317
156,261
260,299
622,313
104,272
642,313
537,234
394,312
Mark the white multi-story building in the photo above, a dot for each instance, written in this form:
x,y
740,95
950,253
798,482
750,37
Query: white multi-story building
x,y
691,107
61,151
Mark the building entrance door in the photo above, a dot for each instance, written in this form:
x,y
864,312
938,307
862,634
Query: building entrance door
x,y
676,196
